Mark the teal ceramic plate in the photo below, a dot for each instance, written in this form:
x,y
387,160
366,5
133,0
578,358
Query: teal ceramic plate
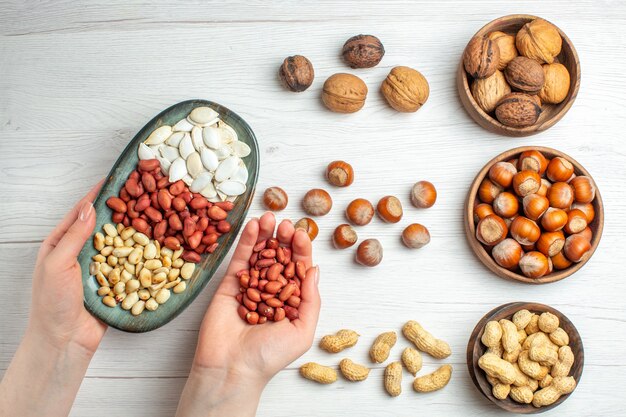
x,y
127,162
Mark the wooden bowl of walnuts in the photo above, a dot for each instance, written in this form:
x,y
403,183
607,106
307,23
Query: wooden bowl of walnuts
x,y
534,215
518,75
513,334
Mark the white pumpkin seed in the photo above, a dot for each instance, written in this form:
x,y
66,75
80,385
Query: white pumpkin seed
x,y
211,137
209,192
231,188
226,169
159,135
209,159
188,180
222,195
241,175
169,152
240,149
223,152
165,164
175,138
203,115
227,133
178,170
201,181
183,125
196,138
145,152
194,164
186,146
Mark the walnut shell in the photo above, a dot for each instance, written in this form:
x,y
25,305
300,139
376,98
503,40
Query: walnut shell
x,y
488,91
556,87
525,75
405,89
518,110
506,44
363,51
344,93
296,73
481,57
539,40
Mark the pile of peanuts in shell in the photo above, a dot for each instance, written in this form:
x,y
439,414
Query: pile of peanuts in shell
x,y
379,352
360,212
543,206
528,358
270,289
135,271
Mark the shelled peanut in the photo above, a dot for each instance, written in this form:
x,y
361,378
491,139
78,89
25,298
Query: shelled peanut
x,y
270,289
169,212
528,358
533,214
135,271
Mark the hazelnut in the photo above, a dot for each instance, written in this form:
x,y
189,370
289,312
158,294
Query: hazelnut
x,y
488,191
344,93
576,222
415,236
405,89
560,262
526,182
576,248
296,73
539,40
363,51
317,202
584,189
587,208
501,173
423,194
360,212
491,230
344,236
481,57
557,82
525,75
389,209
481,211
488,91
507,253
532,161
309,226
275,198
554,219
551,243
525,231
369,252
340,173
518,110
559,169
505,205
534,264
535,206
506,44
561,195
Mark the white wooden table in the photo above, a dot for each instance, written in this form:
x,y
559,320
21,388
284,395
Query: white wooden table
x,y
79,78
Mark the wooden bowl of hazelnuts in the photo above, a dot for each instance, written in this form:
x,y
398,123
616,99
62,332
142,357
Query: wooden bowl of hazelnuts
x,y
534,214
518,75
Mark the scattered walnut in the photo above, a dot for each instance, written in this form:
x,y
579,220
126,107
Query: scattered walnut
x,y
539,40
363,51
518,110
506,44
525,74
344,93
556,87
481,57
296,73
488,91
405,89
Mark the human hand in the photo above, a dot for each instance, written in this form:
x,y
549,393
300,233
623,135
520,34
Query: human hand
x,y
235,360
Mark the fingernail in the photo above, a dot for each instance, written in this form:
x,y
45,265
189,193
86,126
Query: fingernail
x,y
317,274
85,211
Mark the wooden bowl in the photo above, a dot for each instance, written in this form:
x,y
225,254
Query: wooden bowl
x,y
596,225
550,113
475,349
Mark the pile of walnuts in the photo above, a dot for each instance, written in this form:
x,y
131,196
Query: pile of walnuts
x,y
515,74
405,89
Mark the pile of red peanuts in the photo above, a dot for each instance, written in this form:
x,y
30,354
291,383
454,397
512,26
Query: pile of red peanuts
x,y
270,288
169,213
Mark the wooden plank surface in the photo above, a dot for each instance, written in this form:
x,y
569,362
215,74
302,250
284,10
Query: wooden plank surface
x,y
79,78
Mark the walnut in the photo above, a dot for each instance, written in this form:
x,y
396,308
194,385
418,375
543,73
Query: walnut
x,y
481,57
296,73
344,93
525,75
556,87
363,51
506,44
518,110
539,40
405,89
488,91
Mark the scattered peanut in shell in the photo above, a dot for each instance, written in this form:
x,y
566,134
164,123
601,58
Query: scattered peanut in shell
x,y
341,340
379,352
433,381
393,379
425,341
318,373
353,371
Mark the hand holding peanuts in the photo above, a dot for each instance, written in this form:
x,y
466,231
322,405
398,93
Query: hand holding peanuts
x,y
232,353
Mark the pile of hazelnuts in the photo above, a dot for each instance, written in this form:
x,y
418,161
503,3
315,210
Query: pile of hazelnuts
x,y
360,212
534,214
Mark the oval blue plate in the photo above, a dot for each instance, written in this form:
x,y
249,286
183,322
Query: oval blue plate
x,y
127,162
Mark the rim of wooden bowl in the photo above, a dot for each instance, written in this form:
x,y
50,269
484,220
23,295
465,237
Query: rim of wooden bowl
x,y
475,349
491,123
597,225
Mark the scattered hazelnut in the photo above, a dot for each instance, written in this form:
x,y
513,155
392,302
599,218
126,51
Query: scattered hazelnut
x,y
296,73
525,75
557,82
423,194
340,173
317,202
309,226
369,252
275,198
481,57
489,91
405,89
389,209
415,236
518,110
506,45
360,212
539,40
344,93
363,51
344,236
